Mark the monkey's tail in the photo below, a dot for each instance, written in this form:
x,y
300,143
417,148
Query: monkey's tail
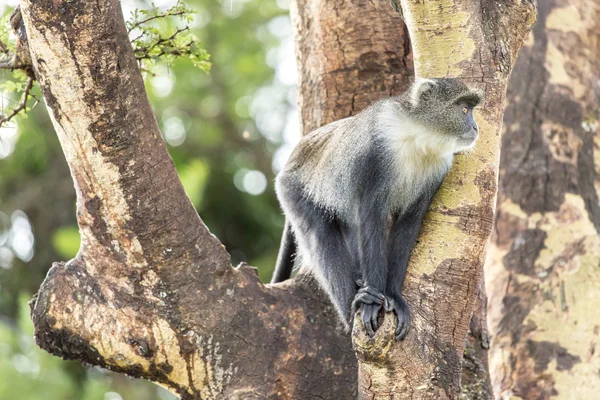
x,y
285,261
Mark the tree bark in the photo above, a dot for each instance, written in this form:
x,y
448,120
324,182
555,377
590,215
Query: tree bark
x,y
475,377
542,274
477,42
348,55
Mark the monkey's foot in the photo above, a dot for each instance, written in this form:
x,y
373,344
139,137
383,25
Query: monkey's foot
x,y
370,301
400,308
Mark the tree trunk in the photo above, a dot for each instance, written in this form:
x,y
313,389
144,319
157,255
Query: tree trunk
x,y
542,275
475,377
348,55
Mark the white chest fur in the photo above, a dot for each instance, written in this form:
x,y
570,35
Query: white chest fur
x,y
420,156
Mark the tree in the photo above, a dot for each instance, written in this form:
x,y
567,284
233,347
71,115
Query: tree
x,y
542,273
151,292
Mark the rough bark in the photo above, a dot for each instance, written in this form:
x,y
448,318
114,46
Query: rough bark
x,y
542,275
152,292
349,54
475,378
477,42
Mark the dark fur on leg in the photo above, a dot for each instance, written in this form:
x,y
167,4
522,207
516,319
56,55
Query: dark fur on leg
x,y
372,240
321,236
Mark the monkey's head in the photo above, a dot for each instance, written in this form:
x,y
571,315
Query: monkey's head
x,y
445,106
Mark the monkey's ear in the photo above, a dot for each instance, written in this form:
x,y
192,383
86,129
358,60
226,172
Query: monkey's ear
x,y
420,89
473,97
480,95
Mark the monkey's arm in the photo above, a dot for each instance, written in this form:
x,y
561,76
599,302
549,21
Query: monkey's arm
x,y
372,223
285,262
403,235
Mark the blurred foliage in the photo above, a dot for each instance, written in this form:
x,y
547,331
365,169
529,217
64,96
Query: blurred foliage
x,y
222,128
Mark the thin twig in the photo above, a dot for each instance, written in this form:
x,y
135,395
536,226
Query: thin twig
x,y
3,48
147,71
12,64
22,105
165,15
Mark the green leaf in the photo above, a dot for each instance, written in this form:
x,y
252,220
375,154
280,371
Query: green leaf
x,y
66,241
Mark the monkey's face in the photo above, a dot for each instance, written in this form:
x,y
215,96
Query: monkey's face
x,y
464,127
445,106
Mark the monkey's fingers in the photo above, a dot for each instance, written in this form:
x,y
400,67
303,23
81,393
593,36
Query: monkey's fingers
x,y
403,314
365,298
374,323
372,291
366,314
402,330
388,305
368,298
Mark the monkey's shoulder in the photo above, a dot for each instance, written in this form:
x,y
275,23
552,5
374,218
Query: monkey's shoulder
x,y
342,138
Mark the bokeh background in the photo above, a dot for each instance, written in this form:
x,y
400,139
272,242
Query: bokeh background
x,y
228,131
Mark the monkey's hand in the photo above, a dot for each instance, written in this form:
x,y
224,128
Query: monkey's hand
x,y
397,304
370,301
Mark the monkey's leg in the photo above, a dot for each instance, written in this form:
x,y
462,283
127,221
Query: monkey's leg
x,y
323,249
285,262
403,235
333,265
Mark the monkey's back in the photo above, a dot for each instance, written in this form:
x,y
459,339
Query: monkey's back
x,y
335,164
315,164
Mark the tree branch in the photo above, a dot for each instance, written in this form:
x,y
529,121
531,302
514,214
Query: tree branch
x,y
145,51
154,17
21,58
166,14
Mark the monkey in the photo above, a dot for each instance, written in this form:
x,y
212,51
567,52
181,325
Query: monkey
x,y
354,194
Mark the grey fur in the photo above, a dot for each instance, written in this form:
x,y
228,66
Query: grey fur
x,y
355,192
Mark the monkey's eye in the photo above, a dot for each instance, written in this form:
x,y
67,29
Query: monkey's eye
x,y
465,110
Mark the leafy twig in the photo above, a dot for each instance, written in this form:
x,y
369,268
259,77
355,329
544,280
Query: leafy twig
x,y
150,45
144,52
137,24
